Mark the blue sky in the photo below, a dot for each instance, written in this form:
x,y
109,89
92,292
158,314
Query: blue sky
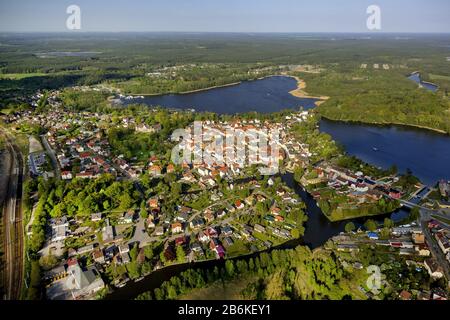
x,y
226,15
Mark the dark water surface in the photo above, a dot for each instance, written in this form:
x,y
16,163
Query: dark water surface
x,y
417,79
266,95
425,152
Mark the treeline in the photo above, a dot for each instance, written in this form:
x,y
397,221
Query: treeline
x,y
379,97
84,100
194,78
77,198
281,274
82,197
321,144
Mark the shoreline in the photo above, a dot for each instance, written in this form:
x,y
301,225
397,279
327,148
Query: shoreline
x,y
301,93
196,90
298,92
422,81
289,244
389,124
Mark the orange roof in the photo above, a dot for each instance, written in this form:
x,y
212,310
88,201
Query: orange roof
x,y
176,225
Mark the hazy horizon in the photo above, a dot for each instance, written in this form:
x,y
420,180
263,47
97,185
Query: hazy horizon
x,y
231,16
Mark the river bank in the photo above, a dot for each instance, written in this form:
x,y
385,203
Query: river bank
x,y
386,124
318,230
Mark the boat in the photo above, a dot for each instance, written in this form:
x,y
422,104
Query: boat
x,y
375,149
138,279
121,285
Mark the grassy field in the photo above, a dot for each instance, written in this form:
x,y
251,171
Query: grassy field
x,y
20,76
220,291
439,77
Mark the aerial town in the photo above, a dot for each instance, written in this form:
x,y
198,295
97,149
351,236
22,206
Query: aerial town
x,y
226,211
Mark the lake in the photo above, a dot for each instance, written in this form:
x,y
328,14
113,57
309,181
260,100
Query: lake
x,y
265,95
427,85
426,153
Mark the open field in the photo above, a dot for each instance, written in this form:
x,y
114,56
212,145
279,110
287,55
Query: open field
x,y
220,290
439,77
20,76
35,145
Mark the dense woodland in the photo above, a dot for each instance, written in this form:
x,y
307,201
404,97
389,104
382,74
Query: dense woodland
x,y
379,97
27,64
281,274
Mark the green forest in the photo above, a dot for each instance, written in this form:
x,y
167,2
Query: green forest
x,y
380,97
279,275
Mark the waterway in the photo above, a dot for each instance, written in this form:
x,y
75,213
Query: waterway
x,y
424,152
318,230
265,95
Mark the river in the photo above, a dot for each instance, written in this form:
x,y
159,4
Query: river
x,y
318,230
425,152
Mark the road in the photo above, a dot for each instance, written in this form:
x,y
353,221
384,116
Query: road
x,y
12,221
52,155
435,249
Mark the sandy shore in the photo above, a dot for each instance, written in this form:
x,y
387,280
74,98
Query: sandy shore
x,y
301,93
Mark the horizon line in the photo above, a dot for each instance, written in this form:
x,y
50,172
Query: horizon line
x,y
233,32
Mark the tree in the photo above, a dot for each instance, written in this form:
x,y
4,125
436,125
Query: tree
x,y
298,173
134,269
371,225
181,255
148,252
388,223
134,252
48,261
295,233
106,205
350,227
35,281
125,201
143,211
229,267
415,213
393,170
159,294
171,292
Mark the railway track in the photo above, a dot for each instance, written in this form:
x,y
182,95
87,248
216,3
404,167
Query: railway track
x,y
12,221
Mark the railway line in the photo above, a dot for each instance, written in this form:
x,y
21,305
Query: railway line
x,y
13,224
